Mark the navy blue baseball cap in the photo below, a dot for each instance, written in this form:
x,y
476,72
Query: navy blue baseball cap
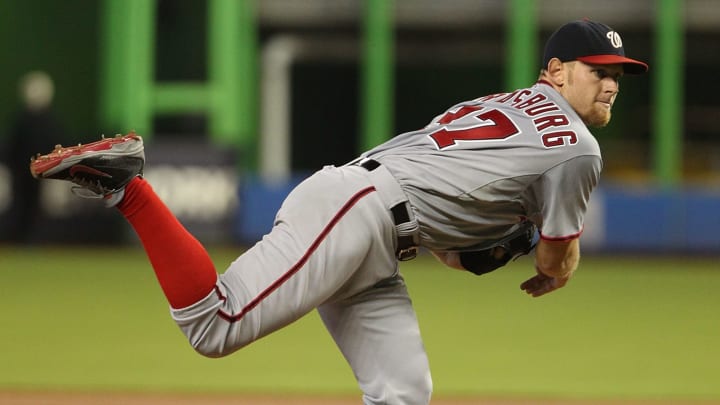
x,y
590,42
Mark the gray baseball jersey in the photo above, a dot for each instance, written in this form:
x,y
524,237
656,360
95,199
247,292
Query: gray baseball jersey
x,y
482,167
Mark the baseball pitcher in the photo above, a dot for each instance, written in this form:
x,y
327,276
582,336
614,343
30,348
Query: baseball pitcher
x,y
485,181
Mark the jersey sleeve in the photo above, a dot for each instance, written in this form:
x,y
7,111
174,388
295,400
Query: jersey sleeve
x,y
563,193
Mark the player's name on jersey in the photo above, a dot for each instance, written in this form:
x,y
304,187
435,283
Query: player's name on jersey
x,y
545,114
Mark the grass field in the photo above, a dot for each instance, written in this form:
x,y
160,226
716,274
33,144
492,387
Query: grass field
x,y
82,319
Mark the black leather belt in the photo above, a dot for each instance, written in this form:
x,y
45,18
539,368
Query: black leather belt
x,y
406,248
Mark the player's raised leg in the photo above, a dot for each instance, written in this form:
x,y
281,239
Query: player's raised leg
x,y
111,169
377,332
324,246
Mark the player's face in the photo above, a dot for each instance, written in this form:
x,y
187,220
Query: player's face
x,y
591,91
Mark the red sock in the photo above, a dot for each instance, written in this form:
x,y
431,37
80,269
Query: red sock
x,y
182,265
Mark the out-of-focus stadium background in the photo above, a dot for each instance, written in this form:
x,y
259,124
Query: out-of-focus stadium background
x,y
239,99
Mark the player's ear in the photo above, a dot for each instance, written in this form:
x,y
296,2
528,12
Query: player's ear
x,y
556,72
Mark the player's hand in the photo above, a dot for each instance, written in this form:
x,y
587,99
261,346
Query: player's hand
x,y
542,284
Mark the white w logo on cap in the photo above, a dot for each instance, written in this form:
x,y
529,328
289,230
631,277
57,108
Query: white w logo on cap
x,y
614,38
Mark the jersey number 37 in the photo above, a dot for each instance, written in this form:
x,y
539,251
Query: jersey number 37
x,y
492,125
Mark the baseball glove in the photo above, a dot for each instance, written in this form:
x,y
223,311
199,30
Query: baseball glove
x,y
517,244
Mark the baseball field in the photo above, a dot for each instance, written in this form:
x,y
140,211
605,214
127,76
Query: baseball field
x,y
90,325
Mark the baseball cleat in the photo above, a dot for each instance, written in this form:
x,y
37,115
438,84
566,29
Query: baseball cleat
x,y
100,169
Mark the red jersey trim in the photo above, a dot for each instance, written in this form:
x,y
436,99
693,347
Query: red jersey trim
x,y
298,265
561,238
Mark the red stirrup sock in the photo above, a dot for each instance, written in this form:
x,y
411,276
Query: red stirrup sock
x,y
182,265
